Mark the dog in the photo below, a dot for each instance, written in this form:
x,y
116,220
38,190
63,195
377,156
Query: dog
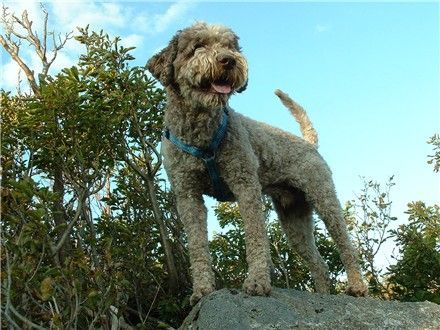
x,y
210,149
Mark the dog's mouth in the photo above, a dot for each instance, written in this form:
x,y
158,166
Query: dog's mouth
x,y
219,86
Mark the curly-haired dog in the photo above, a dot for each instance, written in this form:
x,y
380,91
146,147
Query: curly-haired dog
x,y
210,149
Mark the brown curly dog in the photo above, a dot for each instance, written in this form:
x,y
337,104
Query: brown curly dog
x,y
211,149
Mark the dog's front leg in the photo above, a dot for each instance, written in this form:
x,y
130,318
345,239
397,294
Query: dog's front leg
x,y
257,245
192,212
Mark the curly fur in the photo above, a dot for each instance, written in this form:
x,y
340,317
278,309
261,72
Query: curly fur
x,y
200,69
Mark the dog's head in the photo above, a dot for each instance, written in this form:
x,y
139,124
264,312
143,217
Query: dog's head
x,y
203,63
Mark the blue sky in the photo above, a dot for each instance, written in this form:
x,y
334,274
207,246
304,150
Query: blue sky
x,y
368,74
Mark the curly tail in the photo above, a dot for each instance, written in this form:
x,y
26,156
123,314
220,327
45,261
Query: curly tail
x,y
307,130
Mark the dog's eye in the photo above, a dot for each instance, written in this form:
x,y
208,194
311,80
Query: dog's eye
x,y
197,46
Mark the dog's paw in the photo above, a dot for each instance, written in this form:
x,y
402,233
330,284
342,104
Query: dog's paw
x,y
257,286
357,290
199,293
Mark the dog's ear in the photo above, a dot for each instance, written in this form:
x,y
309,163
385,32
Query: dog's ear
x,y
238,48
243,88
161,64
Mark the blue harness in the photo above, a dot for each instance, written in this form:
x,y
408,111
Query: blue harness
x,y
221,191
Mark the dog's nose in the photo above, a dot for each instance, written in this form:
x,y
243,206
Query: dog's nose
x,y
227,61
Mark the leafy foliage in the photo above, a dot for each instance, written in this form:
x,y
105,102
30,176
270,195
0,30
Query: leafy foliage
x,y
288,269
435,158
97,123
369,219
228,249
416,275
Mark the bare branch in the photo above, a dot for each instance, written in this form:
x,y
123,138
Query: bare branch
x,y
10,320
9,305
46,16
56,48
83,195
158,155
12,49
69,228
136,168
151,305
40,45
101,308
147,145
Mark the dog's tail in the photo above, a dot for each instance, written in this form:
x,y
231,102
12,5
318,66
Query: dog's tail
x,y
307,130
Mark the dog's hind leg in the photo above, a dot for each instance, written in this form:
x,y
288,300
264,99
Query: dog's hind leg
x,y
296,219
322,195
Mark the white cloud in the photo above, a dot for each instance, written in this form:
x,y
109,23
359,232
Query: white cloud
x,y
34,62
175,11
321,28
70,15
9,73
157,23
142,22
132,40
63,60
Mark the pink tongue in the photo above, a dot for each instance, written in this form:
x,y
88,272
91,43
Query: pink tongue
x,y
224,89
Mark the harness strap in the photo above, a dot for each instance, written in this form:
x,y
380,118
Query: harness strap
x,y
221,192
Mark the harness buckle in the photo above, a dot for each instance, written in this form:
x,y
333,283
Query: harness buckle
x,y
208,156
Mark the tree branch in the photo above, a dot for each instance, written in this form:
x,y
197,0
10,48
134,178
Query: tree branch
x,y
9,305
146,146
40,45
13,49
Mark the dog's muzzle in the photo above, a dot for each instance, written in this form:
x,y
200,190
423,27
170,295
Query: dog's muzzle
x,y
226,61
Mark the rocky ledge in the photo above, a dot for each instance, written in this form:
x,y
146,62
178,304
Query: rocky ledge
x,y
292,309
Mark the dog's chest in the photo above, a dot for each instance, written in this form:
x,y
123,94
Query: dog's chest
x,y
186,171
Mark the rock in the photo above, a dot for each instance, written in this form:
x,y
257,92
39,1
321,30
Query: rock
x,y
292,309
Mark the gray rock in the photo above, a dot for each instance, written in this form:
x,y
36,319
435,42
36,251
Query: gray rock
x,y
291,309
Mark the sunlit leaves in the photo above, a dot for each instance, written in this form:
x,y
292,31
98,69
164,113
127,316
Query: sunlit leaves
x,y
228,252
435,158
369,220
416,275
83,123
